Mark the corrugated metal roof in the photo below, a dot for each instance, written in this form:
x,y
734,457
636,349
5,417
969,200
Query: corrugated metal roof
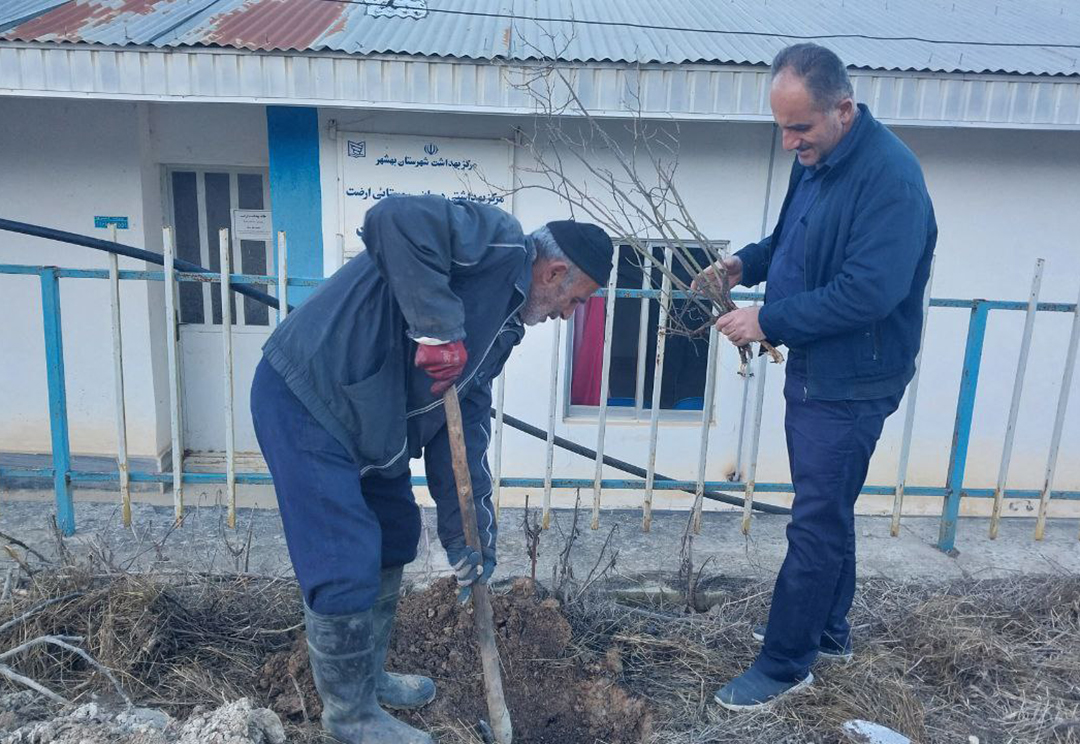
x,y
16,12
975,36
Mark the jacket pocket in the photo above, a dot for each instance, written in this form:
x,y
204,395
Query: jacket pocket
x,y
378,412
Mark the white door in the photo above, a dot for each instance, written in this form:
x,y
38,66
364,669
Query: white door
x,y
201,202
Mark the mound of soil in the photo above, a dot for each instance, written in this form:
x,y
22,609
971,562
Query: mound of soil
x,y
555,696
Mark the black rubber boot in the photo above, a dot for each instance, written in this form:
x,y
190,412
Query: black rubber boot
x,y
397,691
343,661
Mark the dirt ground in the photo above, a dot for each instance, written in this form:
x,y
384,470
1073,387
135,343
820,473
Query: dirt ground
x,y
555,694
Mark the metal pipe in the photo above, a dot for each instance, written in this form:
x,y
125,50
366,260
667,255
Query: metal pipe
x,y
909,413
1014,406
605,390
172,331
965,409
657,388
578,449
58,418
1059,424
225,261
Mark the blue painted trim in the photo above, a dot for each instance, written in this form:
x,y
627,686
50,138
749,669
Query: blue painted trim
x,y
965,409
85,476
295,188
58,419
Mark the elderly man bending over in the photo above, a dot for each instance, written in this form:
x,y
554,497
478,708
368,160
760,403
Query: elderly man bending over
x,y
350,388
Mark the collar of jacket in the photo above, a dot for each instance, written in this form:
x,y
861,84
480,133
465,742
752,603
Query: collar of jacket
x,y
859,133
524,281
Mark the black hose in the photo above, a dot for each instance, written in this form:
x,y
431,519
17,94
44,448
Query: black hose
x,y
50,233
626,467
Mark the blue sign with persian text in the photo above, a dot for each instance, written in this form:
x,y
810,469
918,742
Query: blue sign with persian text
x,y
103,221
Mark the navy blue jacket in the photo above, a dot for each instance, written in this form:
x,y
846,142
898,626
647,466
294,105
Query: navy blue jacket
x,y
432,268
869,241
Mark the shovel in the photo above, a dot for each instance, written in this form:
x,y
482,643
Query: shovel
x,y
485,625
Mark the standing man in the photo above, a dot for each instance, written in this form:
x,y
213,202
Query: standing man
x,y
846,268
350,388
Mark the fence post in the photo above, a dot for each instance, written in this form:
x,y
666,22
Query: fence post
x,y
605,385
1059,423
657,387
58,419
965,408
1014,406
172,331
706,426
553,397
909,414
497,439
755,444
118,385
225,259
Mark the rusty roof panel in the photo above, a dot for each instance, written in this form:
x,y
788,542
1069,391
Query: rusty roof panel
x,y
271,24
114,22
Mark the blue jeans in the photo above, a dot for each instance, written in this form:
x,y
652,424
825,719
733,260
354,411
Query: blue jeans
x,y
341,529
829,447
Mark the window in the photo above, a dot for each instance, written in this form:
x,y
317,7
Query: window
x,y
633,348
201,203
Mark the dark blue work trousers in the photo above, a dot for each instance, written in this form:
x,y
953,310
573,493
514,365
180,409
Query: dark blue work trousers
x,y
829,447
341,529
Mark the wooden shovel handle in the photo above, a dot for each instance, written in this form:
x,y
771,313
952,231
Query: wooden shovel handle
x,y
485,624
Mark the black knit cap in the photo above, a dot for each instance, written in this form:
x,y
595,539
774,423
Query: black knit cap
x,y
587,245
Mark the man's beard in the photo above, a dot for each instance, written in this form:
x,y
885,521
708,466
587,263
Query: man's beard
x,y
539,307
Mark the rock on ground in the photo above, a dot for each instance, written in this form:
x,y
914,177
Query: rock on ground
x,y
26,719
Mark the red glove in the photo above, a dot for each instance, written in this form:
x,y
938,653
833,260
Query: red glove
x,y
443,363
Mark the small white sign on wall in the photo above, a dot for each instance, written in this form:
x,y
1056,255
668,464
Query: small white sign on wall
x,y
375,166
252,224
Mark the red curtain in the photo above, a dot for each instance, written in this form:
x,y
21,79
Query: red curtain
x,y
588,356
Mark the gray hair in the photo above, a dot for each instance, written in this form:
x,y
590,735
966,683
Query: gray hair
x,y
822,72
548,250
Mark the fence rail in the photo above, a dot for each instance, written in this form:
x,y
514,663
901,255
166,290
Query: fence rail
x,y
952,492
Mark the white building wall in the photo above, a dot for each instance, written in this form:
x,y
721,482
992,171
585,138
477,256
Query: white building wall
x,y
63,163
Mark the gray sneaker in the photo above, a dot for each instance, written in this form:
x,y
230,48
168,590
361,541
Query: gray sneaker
x,y
753,690
828,648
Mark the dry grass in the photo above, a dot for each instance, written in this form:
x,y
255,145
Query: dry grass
x,y
999,660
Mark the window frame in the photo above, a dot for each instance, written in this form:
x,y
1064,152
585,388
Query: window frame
x,y
239,324
639,413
